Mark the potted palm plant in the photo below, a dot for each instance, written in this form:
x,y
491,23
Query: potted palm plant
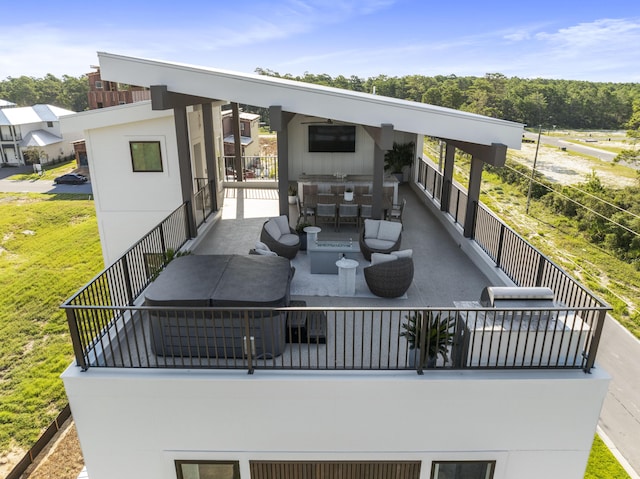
x,y
293,192
438,331
398,158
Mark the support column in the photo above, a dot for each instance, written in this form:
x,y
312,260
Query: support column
x,y
447,177
279,122
475,180
210,153
384,142
237,142
184,160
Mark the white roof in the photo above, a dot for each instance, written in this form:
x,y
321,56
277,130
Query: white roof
x,y
6,103
243,115
39,138
244,140
31,114
310,99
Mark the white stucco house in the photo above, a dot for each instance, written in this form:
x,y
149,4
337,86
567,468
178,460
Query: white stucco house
x,y
521,400
37,127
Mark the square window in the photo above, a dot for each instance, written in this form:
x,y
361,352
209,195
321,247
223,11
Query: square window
x,y
145,155
208,469
462,469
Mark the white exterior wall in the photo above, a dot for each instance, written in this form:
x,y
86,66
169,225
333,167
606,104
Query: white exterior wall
x,y
128,204
358,163
134,424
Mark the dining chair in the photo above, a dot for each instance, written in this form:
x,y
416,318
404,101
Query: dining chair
x,y
326,212
347,213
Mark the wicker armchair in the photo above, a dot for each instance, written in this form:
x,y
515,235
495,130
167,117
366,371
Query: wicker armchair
x,y
281,249
366,249
390,279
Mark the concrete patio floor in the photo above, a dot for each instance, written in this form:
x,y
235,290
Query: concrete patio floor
x,y
443,272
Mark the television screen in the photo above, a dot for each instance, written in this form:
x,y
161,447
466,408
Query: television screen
x,y
332,138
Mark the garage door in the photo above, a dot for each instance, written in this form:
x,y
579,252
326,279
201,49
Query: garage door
x,y
335,470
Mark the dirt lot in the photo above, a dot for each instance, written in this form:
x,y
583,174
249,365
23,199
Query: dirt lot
x,y
61,460
561,167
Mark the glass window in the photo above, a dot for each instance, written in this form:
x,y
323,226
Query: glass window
x,y
145,155
462,469
208,469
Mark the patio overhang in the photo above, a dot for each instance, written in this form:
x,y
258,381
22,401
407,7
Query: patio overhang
x,y
315,100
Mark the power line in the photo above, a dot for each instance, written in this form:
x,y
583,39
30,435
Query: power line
x,y
591,210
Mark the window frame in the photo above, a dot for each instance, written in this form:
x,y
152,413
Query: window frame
x,y
492,463
133,161
179,462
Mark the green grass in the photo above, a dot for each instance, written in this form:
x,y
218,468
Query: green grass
x,y
48,172
49,248
602,464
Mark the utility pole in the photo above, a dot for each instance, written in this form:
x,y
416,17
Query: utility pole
x,y
533,170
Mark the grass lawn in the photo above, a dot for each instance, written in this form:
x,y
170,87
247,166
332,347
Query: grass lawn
x,y
49,248
48,172
602,464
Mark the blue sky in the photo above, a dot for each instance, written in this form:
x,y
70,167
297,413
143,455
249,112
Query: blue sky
x,y
578,40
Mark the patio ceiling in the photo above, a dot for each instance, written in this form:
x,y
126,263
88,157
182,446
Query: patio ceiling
x,y
314,100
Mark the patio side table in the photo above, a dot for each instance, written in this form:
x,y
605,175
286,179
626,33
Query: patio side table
x,y
347,276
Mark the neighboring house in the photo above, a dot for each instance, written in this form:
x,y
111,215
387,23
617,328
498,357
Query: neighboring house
x,y
193,415
6,103
103,93
36,127
249,133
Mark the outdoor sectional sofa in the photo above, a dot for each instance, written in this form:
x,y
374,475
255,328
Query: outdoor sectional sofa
x,y
225,281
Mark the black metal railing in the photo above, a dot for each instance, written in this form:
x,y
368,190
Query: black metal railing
x,y
103,321
253,168
123,281
338,339
202,203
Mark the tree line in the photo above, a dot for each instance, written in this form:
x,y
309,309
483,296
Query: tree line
x,y
563,103
567,104
67,92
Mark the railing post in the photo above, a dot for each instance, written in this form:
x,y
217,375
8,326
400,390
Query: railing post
x,y
500,243
78,349
595,341
188,212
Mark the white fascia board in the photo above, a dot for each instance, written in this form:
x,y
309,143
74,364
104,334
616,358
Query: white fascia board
x,y
310,99
115,115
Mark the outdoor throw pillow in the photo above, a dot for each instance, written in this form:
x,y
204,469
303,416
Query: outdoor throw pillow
x,y
261,245
405,253
266,252
379,258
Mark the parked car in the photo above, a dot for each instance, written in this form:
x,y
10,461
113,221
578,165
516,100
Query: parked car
x,y
70,179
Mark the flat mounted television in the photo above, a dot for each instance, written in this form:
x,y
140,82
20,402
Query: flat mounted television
x,y
332,138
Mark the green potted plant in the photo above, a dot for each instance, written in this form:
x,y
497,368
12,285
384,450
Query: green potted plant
x,y
293,192
438,331
398,158
303,236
